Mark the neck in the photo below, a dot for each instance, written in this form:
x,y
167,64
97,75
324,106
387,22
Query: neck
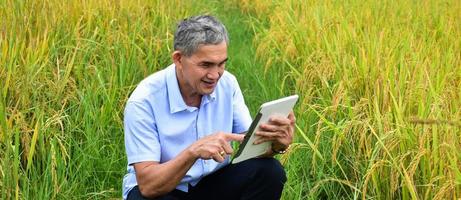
x,y
190,97
193,100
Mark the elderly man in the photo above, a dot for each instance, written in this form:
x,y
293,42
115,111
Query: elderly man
x,y
179,123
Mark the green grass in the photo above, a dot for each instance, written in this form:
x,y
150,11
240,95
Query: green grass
x,y
380,87
67,70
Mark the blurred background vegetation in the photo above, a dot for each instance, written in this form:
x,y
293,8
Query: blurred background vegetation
x,y
380,86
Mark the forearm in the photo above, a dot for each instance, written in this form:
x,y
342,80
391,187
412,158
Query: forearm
x,y
162,178
156,179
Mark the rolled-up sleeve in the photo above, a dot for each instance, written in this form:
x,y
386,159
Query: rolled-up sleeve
x,y
141,135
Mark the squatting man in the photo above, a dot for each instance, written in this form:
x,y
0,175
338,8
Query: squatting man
x,y
179,123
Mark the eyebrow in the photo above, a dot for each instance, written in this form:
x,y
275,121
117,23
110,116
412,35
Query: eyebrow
x,y
225,60
212,63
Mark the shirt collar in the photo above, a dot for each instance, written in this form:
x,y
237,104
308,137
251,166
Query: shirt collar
x,y
209,97
175,99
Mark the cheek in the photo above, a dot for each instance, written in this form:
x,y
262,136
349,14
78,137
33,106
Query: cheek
x,y
198,76
201,74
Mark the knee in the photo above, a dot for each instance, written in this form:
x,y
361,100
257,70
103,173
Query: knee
x,y
269,169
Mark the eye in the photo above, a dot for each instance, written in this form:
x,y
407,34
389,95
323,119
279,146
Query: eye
x,y
223,63
205,64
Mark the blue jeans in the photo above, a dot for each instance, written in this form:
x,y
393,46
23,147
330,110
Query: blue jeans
x,y
259,178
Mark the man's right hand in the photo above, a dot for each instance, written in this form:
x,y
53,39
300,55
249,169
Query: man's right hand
x,y
155,179
215,146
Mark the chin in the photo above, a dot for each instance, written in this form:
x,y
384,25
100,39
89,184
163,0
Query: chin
x,y
207,91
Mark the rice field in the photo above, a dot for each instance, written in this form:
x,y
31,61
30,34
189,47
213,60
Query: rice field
x,y
380,86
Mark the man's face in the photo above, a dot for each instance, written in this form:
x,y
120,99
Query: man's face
x,y
200,72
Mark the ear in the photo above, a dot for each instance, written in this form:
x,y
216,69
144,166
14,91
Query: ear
x,y
176,56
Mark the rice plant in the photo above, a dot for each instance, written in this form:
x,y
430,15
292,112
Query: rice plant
x,y
380,82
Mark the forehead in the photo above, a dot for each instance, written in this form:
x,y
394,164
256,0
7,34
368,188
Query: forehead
x,y
210,53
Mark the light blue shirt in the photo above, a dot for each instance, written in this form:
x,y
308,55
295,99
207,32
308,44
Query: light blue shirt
x,y
159,125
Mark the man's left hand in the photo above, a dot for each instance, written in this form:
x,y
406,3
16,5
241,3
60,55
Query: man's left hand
x,y
279,130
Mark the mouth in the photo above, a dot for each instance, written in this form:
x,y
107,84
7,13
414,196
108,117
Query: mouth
x,y
209,84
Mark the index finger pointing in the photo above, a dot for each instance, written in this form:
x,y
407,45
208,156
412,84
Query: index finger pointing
x,y
234,137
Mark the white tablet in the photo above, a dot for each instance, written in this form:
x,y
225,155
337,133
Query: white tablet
x,y
247,149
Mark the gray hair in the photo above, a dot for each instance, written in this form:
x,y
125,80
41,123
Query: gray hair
x,y
197,30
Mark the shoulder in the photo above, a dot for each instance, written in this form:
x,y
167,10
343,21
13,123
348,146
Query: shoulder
x,y
228,81
151,87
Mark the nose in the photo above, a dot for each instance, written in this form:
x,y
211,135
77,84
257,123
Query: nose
x,y
214,73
